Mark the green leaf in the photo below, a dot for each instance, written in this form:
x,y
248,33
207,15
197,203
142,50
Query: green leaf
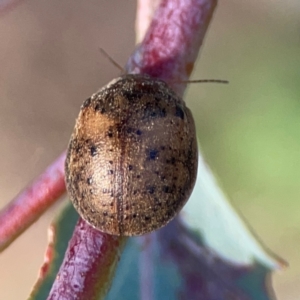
x,y
210,214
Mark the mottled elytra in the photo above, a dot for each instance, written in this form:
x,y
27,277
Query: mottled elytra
x,y
132,158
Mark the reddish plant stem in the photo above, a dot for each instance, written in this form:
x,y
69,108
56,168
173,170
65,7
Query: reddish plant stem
x,y
7,5
88,265
172,42
144,16
27,207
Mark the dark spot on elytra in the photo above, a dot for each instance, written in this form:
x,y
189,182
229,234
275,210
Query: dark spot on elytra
x,y
87,102
134,215
155,208
190,154
118,127
110,161
150,189
169,213
129,130
110,172
154,111
93,150
138,132
181,191
99,108
77,178
130,167
179,112
109,133
152,154
78,148
167,189
132,95
157,201
89,180
171,161
147,218
170,98
138,176
105,213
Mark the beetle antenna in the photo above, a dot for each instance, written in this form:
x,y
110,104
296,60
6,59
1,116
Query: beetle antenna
x,y
204,81
111,59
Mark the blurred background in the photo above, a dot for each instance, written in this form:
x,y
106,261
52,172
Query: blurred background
x,y
249,130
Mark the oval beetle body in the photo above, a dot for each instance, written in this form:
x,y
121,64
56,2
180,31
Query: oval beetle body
x,y
132,159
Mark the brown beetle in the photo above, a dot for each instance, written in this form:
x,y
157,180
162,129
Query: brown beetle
x,y
132,158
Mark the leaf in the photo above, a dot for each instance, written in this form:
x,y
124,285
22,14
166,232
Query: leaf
x,y
209,214
206,254
60,232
